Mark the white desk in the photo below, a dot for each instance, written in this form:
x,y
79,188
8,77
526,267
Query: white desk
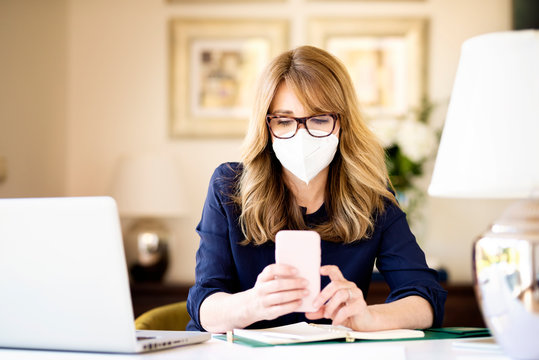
x,y
218,349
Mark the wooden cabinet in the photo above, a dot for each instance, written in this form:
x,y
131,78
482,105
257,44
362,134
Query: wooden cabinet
x,y
461,307
146,296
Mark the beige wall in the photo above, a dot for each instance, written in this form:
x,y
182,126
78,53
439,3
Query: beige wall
x,y
116,75
33,78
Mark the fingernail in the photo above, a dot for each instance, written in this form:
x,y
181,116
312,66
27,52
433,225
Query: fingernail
x,y
305,292
304,282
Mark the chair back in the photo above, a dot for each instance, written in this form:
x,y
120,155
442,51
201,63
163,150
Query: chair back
x,y
167,317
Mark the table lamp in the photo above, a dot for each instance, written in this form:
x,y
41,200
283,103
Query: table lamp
x,y
148,189
490,149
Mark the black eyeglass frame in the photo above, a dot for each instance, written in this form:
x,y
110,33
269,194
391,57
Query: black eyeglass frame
x,y
299,121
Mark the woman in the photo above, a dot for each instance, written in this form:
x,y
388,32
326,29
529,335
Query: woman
x,y
309,162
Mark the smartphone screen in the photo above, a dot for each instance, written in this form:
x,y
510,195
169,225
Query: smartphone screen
x,y
301,249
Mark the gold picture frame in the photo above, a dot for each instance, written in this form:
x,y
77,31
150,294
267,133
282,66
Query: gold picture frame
x,y
213,67
386,58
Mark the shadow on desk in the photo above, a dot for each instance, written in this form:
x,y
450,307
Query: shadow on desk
x,y
461,307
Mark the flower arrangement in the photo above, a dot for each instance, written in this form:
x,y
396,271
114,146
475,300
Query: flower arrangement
x,y
409,142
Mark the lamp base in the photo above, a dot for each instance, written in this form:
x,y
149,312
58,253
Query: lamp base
x,y
506,269
151,238
154,273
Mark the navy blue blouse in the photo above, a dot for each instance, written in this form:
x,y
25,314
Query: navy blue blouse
x,y
223,265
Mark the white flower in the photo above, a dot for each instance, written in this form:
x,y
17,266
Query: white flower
x,y
386,130
416,140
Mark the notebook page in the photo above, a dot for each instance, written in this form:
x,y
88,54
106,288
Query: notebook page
x,y
293,333
374,335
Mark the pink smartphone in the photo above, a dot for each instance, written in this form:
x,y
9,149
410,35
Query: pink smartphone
x,y
301,249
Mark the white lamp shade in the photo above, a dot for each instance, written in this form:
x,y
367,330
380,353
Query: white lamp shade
x,y
490,142
149,185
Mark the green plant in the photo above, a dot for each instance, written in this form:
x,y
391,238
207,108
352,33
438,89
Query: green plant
x,y
409,141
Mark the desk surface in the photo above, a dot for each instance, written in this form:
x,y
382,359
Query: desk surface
x,y
217,349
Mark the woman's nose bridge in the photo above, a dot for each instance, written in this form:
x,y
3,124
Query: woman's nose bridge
x,y
301,122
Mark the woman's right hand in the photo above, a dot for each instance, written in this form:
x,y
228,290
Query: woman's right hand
x,y
277,291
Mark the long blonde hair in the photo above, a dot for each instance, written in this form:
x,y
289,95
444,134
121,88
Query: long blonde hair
x,y
357,180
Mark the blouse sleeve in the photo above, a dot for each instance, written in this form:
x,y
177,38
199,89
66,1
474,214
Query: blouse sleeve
x,y
402,263
215,270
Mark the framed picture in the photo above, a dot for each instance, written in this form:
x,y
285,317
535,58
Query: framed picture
x,y
214,65
386,59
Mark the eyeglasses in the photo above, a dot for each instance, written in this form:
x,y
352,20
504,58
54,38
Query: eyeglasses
x,y
285,127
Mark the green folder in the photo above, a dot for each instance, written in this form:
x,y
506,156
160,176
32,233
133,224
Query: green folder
x,y
430,334
456,332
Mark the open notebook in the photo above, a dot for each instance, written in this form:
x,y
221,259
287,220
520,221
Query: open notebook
x,y
303,332
64,282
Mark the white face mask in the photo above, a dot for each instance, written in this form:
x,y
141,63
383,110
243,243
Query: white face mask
x,y
305,155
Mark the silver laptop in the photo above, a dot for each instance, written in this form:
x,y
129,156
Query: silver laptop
x,y
64,282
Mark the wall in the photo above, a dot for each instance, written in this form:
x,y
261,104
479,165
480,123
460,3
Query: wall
x,y
117,65
33,123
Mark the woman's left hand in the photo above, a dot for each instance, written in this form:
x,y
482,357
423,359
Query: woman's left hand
x,y
342,301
